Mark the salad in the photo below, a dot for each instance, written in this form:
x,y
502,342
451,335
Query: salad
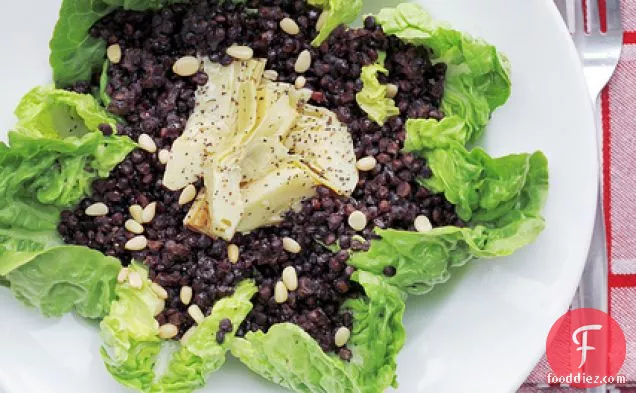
x,y
257,178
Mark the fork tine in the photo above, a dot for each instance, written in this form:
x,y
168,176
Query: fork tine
x,y
593,16
614,23
579,22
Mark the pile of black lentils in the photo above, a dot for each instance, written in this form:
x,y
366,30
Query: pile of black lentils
x,y
153,100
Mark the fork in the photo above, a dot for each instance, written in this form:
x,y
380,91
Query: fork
x,y
600,52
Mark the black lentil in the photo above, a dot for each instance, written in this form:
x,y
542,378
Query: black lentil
x,y
152,100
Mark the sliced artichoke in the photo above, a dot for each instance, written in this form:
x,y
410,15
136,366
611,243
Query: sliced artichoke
x,y
260,149
267,199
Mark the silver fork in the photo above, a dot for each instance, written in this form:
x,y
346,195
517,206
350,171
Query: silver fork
x,y
600,52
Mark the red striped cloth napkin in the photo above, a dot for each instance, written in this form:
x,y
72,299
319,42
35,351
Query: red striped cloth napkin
x,y
618,104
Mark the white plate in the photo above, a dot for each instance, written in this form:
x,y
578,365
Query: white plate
x,y
482,332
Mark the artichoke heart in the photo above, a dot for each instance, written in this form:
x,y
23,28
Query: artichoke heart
x,y
260,149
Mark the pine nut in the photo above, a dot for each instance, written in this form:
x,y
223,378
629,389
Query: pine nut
x,y
137,243
300,82
270,75
195,312
147,143
291,245
159,291
186,336
133,226
186,66
289,26
280,293
423,224
342,336
164,156
137,213
168,331
290,278
113,53
160,306
123,275
240,52
233,253
391,90
134,280
96,210
187,195
321,20
185,295
366,164
357,220
149,212
303,62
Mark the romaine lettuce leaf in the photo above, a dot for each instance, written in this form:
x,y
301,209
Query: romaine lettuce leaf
x,y
502,197
478,76
75,54
47,112
201,354
423,260
53,155
132,344
427,134
377,337
63,279
57,149
131,333
372,98
143,5
378,334
339,12
103,85
270,355
487,190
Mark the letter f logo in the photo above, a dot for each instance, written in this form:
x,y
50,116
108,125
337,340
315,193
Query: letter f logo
x,y
583,344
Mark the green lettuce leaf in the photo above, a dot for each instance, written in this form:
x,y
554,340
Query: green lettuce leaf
x,y
372,98
339,12
378,334
103,84
54,154
427,134
131,333
270,354
487,190
132,345
75,54
143,5
63,279
423,260
53,120
377,337
478,76
46,112
201,354
501,198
